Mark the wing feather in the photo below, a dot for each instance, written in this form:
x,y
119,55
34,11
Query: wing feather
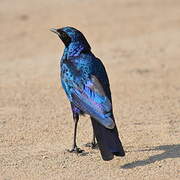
x,y
91,99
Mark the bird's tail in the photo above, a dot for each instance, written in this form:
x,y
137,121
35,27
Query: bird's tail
x,y
108,141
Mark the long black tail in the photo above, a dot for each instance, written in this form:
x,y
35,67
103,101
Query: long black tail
x,y
108,141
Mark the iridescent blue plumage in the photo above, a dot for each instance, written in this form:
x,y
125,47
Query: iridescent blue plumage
x,y
86,84
84,90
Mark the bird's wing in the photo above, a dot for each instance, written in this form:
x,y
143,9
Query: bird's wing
x,y
90,97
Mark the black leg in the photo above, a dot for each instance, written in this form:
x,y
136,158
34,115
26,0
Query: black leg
x,y
75,149
92,144
94,141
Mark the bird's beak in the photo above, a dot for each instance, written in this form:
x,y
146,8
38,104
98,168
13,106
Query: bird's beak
x,y
54,30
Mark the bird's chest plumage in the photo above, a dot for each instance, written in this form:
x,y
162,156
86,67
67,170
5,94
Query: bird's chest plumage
x,y
76,66
75,72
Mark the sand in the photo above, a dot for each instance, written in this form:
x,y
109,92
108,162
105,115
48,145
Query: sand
x,y
139,43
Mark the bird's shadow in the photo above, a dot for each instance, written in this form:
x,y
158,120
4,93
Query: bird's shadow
x,y
169,151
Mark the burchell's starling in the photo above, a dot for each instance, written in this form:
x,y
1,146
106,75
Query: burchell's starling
x,y
85,81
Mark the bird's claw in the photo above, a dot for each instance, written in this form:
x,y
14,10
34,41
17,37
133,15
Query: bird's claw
x,y
92,145
75,150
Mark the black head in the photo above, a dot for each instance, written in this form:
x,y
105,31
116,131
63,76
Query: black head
x,y
62,35
70,35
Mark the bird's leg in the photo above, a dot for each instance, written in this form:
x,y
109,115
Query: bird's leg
x,y
92,144
75,149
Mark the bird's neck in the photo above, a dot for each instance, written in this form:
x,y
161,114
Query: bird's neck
x,y
75,49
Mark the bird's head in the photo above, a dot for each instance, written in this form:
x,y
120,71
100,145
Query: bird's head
x,y
70,35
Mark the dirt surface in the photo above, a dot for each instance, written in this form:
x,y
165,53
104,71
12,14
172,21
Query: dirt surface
x,y
139,43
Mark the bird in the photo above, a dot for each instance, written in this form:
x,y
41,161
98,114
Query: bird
x,y
86,84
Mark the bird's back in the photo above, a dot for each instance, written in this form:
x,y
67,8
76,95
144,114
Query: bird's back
x,y
86,84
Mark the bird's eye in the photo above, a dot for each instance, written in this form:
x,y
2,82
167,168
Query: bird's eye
x,y
65,38
63,35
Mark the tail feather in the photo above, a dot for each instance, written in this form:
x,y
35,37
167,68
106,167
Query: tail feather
x,y
108,141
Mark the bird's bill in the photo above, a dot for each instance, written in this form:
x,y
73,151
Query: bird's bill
x,y
54,30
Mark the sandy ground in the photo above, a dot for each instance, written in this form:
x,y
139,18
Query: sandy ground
x,y
139,43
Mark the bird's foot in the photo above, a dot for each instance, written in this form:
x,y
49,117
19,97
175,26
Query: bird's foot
x,y
92,145
75,150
